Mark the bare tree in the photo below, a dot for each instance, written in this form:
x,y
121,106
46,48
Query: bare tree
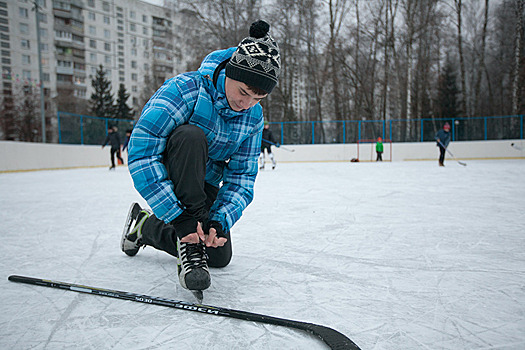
x,y
518,41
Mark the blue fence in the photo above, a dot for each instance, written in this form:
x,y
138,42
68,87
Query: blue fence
x,y
88,130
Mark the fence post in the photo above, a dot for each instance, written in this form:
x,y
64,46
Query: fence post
x,y
453,129
81,130
313,133
485,126
344,131
384,128
59,131
282,133
422,127
521,126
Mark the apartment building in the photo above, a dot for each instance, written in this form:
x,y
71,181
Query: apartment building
x,y
134,41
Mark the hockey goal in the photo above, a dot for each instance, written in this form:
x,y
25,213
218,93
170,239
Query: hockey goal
x,y
366,150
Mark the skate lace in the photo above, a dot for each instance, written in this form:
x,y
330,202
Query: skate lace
x,y
193,255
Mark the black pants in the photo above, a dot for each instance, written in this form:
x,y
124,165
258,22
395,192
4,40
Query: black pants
x,y
379,157
115,151
441,154
185,160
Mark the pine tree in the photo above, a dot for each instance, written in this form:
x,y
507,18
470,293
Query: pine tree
x,y
122,110
101,98
447,104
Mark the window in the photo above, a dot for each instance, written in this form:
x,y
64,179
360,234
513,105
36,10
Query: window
x,y
107,20
107,59
42,17
134,52
144,30
26,74
144,18
44,47
24,28
93,44
4,45
45,76
23,12
43,33
132,27
91,3
107,34
93,57
107,46
26,59
134,88
25,44
105,6
132,14
134,76
92,16
133,64
92,30
45,61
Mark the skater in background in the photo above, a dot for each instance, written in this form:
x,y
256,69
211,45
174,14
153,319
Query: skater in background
x,y
379,149
443,139
193,156
114,140
125,145
265,145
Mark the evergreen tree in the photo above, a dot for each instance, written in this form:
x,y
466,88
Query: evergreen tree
x,y
447,104
122,110
101,98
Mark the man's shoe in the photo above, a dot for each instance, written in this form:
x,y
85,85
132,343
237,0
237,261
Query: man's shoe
x,y
193,266
132,233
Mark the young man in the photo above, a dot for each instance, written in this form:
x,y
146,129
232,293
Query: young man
x,y
267,136
193,156
114,140
443,139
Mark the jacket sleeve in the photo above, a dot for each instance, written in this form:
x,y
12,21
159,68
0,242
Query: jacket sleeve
x,y
165,111
238,182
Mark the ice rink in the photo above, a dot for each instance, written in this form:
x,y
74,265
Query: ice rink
x,y
402,255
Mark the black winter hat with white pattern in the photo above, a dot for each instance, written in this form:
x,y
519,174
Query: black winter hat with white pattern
x,y
256,62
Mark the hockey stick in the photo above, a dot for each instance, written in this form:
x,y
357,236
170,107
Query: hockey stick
x,y
279,146
460,163
331,337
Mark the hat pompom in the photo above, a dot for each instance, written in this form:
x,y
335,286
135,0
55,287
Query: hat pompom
x,y
259,29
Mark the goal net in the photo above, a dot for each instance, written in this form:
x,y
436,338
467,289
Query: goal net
x,y
366,150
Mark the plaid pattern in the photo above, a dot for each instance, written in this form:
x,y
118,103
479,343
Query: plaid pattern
x,y
234,141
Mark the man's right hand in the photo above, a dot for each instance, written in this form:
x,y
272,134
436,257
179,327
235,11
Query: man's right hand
x,y
195,237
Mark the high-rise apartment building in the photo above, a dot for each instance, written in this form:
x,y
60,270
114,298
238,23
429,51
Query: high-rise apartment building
x,y
134,41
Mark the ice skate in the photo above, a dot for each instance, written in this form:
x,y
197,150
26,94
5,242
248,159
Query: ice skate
x,y
132,233
192,266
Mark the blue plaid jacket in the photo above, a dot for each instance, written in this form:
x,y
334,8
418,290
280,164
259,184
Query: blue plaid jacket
x,y
234,142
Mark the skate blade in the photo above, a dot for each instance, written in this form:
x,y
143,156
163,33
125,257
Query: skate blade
x,y
198,295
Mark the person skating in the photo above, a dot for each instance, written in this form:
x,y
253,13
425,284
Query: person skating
x,y
442,140
379,149
114,140
193,156
265,145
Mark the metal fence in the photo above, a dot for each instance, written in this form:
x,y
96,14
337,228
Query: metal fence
x,y
88,130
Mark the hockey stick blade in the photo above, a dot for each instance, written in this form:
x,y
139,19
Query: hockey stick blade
x,y
333,338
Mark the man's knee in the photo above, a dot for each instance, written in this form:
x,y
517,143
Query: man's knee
x,y
187,135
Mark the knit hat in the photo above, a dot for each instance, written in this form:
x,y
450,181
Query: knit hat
x,y
256,62
446,126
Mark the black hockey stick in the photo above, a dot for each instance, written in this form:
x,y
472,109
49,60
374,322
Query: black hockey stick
x,y
278,146
331,337
460,163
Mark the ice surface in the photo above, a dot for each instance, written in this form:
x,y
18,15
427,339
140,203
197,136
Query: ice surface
x,y
394,255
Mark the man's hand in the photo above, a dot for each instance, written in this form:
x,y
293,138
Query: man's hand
x,y
211,239
195,237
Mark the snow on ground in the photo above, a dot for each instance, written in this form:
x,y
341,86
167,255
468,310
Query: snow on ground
x,y
394,255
